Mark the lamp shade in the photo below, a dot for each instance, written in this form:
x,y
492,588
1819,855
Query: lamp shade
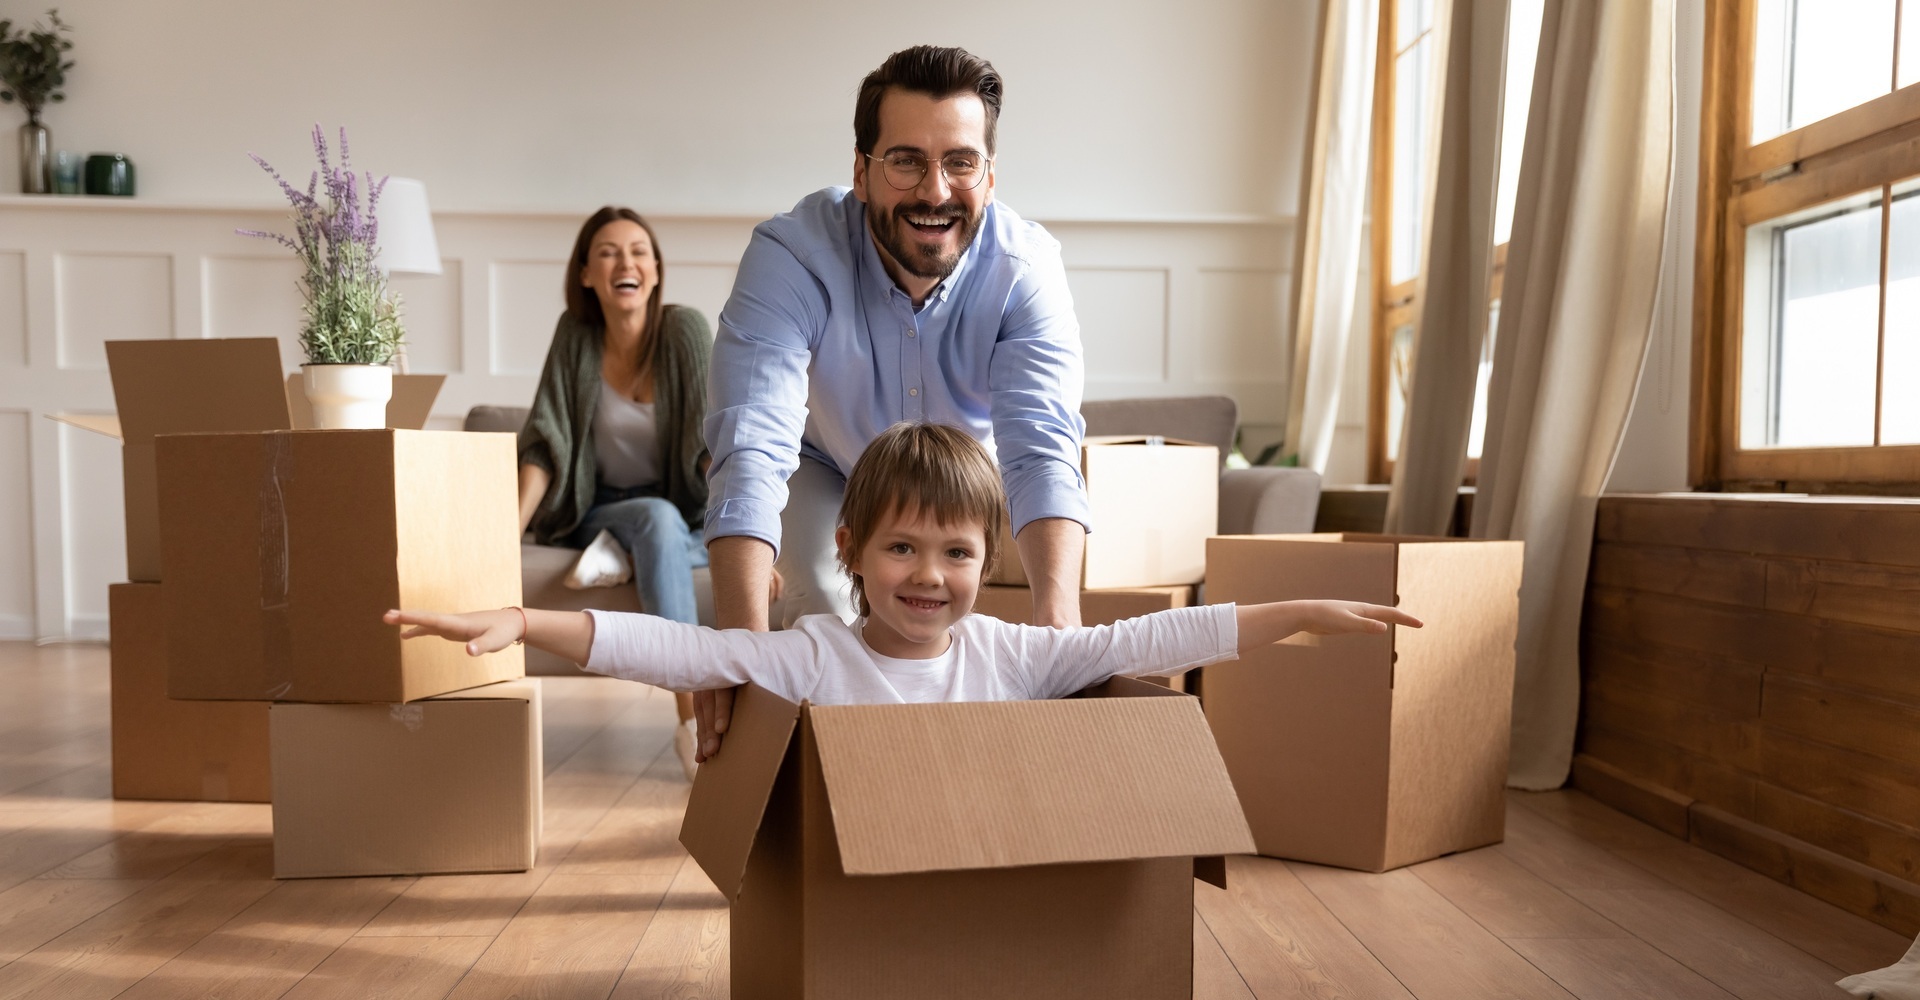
x,y
407,243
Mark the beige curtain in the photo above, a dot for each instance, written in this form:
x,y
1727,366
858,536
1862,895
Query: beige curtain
x,y
1332,231
1576,305
1455,270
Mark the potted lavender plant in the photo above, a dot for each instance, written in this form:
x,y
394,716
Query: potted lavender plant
x,y
352,327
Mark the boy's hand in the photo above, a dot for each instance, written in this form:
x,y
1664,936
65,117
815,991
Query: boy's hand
x,y
1342,617
483,631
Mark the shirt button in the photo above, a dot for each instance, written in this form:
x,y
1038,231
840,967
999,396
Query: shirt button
x,y
913,392
912,334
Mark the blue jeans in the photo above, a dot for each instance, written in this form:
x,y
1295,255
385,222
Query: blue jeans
x,y
665,549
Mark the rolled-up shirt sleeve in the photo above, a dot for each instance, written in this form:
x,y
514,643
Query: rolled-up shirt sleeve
x,y
757,391
1036,380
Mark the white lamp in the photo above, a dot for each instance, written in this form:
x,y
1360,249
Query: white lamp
x,y
407,243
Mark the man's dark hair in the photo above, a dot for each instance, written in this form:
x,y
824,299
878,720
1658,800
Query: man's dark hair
x,y
934,70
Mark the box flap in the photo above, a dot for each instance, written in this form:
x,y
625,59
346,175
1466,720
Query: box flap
x,y
524,689
407,410
1101,440
99,423
730,790
942,787
188,386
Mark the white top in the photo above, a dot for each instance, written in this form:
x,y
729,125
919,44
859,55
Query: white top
x,y
824,660
626,440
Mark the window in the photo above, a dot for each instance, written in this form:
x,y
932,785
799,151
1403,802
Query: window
x,y
1807,324
1408,67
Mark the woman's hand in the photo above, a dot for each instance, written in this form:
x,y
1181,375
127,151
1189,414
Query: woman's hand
x,y
483,631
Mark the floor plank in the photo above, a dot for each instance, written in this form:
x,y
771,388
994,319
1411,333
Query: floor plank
x,y
1214,977
392,968
1428,944
574,938
1615,969
1739,957
1509,900
1283,941
683,955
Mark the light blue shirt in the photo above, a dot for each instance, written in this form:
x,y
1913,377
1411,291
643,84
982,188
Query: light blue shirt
x,y
818,351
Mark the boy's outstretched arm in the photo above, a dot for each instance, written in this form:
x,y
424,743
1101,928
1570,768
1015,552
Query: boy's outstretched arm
x,y
1265,624
563,633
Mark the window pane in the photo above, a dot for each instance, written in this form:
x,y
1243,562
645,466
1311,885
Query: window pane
x,y
1523,49
1900,391
1477,434
1816,59
1411,18
1811,328
1411,82
1399,382
1910,45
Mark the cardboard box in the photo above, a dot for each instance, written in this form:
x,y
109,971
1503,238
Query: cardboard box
x,y
187,386
283,550
449,784
1097,607
166,749
1153,502
1371,751
964,850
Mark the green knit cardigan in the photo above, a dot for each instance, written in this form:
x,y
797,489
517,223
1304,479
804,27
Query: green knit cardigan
x,y
558,435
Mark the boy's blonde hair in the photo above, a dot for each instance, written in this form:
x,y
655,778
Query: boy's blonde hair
x,y
933,469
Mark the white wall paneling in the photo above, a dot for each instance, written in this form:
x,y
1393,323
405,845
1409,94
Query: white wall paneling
x,y
13,308
1170,307
16,526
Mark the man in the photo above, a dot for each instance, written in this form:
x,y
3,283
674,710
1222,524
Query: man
x,y
912,296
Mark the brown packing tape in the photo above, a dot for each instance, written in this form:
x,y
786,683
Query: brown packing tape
x,y
276,634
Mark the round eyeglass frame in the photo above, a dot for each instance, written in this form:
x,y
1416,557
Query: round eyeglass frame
x,y
986,164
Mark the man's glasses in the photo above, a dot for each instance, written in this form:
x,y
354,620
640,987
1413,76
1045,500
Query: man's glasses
x,y
905,170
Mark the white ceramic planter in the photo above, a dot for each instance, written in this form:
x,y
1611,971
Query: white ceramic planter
x,y
348,396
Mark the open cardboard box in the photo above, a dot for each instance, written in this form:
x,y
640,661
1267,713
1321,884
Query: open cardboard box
x,y
167,749
1153,502
284,548
449,784
185,386
965,850
1371,751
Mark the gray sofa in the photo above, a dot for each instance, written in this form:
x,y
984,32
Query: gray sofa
x,y
1252,501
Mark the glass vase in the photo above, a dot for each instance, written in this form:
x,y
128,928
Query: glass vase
x,y
36,157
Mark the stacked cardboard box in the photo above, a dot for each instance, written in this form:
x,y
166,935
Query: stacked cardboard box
x,y
166,749
1370,751
965,850
1097,607
1153,503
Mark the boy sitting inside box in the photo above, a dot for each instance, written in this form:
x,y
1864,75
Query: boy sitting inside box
x,y
919,530
870,846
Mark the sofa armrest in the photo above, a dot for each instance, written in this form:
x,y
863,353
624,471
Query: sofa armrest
x,y
1268,501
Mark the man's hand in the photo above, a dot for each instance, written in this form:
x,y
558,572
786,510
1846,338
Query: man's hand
x,y
744,583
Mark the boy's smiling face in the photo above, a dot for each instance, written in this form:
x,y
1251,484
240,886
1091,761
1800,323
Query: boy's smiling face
x,y
920,577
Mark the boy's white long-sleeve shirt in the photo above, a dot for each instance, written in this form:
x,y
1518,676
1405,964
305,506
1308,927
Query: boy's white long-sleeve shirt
x,y
824,660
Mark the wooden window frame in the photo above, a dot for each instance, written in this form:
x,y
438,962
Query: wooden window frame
x,y
1742,184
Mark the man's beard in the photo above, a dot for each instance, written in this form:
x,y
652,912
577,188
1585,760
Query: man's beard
x,y
920,260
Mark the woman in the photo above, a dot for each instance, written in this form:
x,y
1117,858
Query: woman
x,y
613,442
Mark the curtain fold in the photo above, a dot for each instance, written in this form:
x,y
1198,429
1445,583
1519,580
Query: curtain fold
x,y
1583,267
1332,229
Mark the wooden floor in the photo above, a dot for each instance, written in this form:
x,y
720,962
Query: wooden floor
x,y
145,899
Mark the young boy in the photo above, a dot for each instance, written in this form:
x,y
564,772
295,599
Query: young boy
x,y
920,526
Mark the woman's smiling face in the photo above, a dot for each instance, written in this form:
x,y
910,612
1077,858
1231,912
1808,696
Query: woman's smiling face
x,y
621,268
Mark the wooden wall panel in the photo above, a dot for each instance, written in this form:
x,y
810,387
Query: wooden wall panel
x,y
1759,660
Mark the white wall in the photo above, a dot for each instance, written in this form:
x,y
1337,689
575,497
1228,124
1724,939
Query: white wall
x,y
1161,148
1124,109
